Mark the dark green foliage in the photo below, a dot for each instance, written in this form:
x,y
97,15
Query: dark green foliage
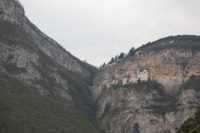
x,y
106,110
26,111
77,83
111,112
122,55
111,61
115,87
102,131
188,42
114,112
132,51
146,87
13,69
23,110
136,128
166,103
192,83
12,34
191,125
102,66
116,58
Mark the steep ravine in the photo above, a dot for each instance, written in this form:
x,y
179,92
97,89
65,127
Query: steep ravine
x,y
44,88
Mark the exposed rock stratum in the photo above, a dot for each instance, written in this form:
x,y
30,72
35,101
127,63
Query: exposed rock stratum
x,y
44,88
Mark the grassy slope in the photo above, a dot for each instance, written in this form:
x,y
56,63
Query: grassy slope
x,y
23,110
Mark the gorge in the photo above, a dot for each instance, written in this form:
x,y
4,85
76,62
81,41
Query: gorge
x,y
44,88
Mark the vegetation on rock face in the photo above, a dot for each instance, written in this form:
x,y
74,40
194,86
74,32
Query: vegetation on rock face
x,y
122,55
24,110
11,34
148,86
189,42
144,87
165,102
193,82
114,60
191,125
132,51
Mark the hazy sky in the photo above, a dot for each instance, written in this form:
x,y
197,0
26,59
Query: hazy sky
x,y
96,30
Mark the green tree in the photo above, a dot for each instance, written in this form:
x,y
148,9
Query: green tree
x,y
131,51
102,66
116,58
191,125
122,55
111,61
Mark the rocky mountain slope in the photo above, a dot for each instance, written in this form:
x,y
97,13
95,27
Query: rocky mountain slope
x,y
12,11
149,90
43,88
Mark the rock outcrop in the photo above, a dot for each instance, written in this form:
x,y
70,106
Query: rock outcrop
x,y
43,88
13,11
149,91
128,103
26,52
33,58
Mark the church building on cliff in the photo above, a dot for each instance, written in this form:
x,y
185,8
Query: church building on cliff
x,y
143,76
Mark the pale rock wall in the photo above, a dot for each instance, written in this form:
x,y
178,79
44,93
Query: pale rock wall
x,y
127,110
13,11
169,67
25,67
119,110
24,63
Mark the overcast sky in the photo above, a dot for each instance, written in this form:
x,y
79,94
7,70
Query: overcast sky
x,y
96,30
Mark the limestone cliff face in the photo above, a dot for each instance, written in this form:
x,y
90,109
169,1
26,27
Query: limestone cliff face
x,y
169,67
28,55
12,10
40,82
159,104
